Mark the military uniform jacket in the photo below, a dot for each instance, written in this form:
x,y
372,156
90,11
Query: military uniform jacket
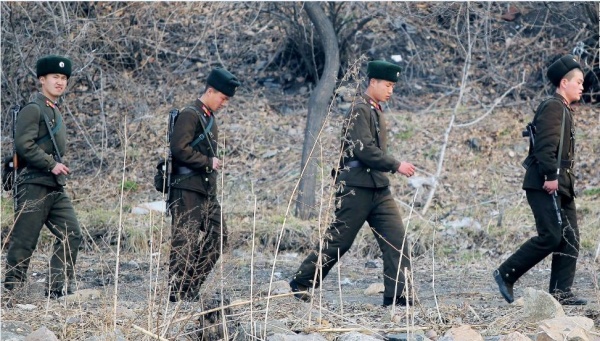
x,y
198,158
33,143
547,122
364,139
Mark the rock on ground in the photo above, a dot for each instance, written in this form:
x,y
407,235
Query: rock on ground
x,y
42,334
296,337
571,328
540,305
461,333
374,289
356,336
514,336
13,330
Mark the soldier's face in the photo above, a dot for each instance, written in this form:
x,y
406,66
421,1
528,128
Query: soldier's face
x,y
216,99
381,89
573,87
53,85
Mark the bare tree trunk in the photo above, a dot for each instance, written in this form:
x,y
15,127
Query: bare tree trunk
x,y
317,107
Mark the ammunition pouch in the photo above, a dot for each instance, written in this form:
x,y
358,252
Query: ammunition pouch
x,y
160,178
7,173
569,164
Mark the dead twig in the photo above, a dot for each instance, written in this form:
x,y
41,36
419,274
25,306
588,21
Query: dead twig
x,y
144,331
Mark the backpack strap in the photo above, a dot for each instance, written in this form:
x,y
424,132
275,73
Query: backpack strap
x,y
205,128
51,131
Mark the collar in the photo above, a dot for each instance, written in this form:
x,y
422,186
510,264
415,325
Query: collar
x,y
373,103
204,108
49,103
564,100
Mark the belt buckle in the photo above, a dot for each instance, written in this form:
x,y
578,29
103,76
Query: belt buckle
x,y
572,164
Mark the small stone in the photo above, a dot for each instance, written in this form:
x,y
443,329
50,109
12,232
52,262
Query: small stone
x,y
431,334
514,336
26,306
356,336
374,289
42,334
462,333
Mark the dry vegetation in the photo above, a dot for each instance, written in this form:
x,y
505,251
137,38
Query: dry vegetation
x,y
473,76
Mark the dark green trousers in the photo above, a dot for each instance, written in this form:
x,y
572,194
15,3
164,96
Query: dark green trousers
x,y
562,241
39,205
196,235
355,206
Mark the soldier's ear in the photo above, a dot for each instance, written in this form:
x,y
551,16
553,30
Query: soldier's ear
x,y
563,82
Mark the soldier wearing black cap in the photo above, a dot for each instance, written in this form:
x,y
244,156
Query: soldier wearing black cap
x,y
365,194
549,186
42,198
195,208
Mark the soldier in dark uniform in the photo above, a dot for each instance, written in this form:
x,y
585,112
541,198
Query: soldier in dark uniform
x,y
365,194
41,197
198,230
550,190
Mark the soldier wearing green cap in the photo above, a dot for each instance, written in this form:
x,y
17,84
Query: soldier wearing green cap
x,y
194,206
365,195
41,197
549,186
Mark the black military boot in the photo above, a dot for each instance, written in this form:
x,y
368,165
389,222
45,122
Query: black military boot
x,y
399,301
297,287
506,288
54,294
568,298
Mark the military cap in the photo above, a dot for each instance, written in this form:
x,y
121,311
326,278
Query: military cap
x,y
561,67
53,64
223,81
380,69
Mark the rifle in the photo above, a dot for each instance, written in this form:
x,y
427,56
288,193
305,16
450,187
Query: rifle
x,y
15,159
169,163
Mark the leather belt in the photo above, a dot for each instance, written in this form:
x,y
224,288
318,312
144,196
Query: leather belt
x,y
354,164
567,164
183,170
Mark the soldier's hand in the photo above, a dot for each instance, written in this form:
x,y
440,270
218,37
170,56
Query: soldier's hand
x,y
216,163
60,169
550,186
407,169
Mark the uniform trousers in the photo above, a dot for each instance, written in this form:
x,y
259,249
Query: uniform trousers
x,y
562,241
355,205
39,205
198,234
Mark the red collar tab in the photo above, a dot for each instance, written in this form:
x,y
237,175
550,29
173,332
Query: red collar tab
x,y
207,111
374,104
50,104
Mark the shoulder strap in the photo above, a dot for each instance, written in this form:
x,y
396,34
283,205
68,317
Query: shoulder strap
x,y
51,131
373,117
52,138
205,128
